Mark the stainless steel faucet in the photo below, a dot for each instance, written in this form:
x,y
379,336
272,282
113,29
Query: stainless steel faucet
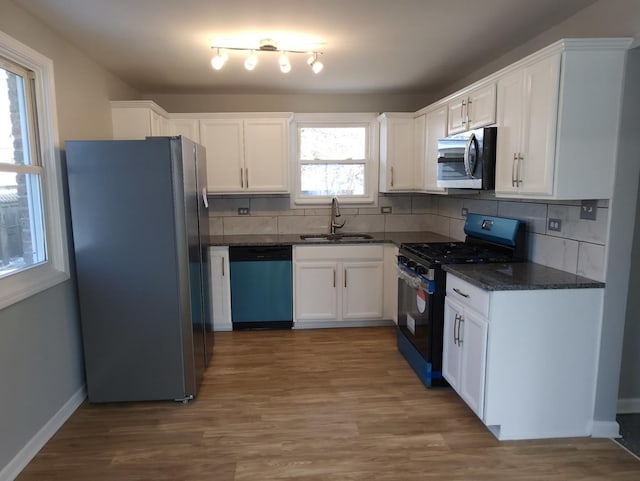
x,y
335,213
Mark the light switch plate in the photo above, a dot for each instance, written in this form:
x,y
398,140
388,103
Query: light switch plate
x,y
589,209
464,211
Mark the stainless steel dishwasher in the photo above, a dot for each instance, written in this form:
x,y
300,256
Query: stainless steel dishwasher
x,y
261,287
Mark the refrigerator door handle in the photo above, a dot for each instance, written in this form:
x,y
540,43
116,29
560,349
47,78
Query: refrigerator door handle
x,y
204,198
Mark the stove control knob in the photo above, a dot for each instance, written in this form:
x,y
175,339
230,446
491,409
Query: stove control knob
x,y
411,264
402,260
421,270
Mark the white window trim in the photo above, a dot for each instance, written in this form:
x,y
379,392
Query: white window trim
x,y
371,166
30,281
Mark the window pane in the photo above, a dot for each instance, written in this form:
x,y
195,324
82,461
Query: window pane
x,y
14,134
332,143
21,222
332,179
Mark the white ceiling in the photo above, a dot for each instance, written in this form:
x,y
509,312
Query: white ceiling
x,y
385,46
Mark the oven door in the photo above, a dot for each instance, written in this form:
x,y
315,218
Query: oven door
x,y
415,310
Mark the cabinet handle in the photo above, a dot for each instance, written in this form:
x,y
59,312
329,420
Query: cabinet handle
x,y
464,103
455,289
334,278
468,111
241,178
460,321
391,176
246,176
518,179
455,325
345,278
222,264
513,169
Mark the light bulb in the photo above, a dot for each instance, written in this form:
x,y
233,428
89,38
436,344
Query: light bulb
x,y
220,58
317,67
251,61
285,66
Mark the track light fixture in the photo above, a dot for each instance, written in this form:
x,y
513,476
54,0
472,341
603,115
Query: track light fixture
x,y
267,45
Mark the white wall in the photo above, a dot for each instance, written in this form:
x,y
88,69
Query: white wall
x,y
40,347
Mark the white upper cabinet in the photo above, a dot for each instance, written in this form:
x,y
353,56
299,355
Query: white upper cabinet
x,y
435,128
397,152
187,127
246,154
472,109
558,114
133,120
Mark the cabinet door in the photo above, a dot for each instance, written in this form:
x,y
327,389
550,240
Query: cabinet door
x,y
451,352
435,128
190,128
473,339
131,123
316,285
362,294
509,120
419,138
400,174
537,159
456,114
481,107
266,155
223,139
220,289
159,124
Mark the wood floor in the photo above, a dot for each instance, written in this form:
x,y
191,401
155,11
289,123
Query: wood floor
x,y
311,405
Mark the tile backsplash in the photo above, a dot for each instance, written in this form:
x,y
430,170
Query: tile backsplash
x,y
579,247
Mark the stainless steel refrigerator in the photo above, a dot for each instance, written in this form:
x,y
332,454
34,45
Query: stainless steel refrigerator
x,y
139,220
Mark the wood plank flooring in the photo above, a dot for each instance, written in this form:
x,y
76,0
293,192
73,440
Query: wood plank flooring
x,y
311,405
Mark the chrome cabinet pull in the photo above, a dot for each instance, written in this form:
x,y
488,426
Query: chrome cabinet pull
x,y
334,278
513,169
391,176
222,264
462,110
345,278
246,176
455,289
455,324
460,321
468,111
518,179
241,178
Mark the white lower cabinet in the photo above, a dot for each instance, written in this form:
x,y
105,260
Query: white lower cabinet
x,y
220,288
525,361
338,285
465,353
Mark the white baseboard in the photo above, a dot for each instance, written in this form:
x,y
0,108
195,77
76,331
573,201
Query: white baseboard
x,y
628,406
343,323
605,429
37,442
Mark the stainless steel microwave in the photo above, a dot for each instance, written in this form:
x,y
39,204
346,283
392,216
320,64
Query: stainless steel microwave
x,y
468,160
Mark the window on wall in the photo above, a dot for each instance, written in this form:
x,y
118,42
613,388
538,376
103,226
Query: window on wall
x,y
32,242
335,158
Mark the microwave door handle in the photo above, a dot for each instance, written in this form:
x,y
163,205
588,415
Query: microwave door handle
x,y
467,150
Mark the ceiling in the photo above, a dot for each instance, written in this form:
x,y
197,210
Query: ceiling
x,y
370,46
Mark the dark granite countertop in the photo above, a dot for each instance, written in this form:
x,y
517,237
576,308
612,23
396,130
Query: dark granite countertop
x,y
295,239
519,276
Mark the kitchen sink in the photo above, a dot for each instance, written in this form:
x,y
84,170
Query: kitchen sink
x,y
334,237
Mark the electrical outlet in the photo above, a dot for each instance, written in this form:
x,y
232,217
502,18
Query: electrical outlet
x,y
555,225
386,209
588,209
243,210
464,211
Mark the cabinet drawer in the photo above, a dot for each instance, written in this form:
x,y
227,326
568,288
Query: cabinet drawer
x,y
341,252
470,295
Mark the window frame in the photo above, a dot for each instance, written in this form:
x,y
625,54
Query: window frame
x,y
367,120
55,269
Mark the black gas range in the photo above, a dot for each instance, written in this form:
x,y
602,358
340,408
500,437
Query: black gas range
x,y
422,285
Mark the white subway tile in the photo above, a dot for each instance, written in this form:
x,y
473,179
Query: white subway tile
x,y
553,252
424,204
215,225
456,229
406,223
450,207
308,224
535,215
272,206
250,225
363,223
228,207
438,224
478,206
591,261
